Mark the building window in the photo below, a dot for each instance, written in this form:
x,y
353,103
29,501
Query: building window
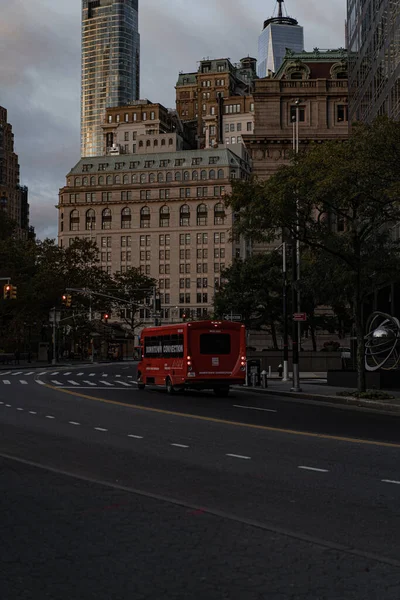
x,y
160,177
302,113
195,175
202,215
90,220
126,218
145,217
250,126
184,216
106,196
342,113
74,220
219,214
178,176
106,219
169,177
164,216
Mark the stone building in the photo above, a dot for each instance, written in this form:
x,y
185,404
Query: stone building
x,y
318,82
163,213
13,197
219,93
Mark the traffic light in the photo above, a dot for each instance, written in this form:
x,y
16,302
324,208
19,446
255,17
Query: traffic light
x,y
105,317
10,292
158,305
184,316
66,300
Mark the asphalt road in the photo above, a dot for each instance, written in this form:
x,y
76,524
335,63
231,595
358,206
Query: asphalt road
x,y
285,500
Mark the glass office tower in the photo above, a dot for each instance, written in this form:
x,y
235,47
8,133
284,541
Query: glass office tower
x,y
110,64
279,33
373,41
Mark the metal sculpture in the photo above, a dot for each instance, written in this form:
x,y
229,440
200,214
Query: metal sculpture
x,y
382,342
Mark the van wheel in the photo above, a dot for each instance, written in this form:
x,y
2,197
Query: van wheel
x,y
141,386
169,387
221,392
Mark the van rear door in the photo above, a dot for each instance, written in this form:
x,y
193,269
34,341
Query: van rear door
x,y
214,352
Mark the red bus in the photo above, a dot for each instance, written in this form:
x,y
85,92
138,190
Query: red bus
x,y
198,355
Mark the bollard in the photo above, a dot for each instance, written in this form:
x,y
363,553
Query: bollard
x,y
264,379
269,371
254,379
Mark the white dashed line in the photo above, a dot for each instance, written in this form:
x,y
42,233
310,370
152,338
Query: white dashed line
x,y
72,382
105,383
136,437
130,376
6,373
179,446
123,383
56,382
23,382
239,456
91,374
118,376
313,469
89,382
20,409
79,374
30,373
49,417
41,374
1,402
100,429
55,373
32,412
7,382
68,373
73,423
40,382
255,408
18,373
104,375
391,481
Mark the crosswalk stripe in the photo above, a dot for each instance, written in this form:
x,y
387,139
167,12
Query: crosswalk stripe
x,y
56,382
73,382
6,373
79,374
118,376
91,374
6,381
30,373
68,373
55,373
23,382
40,382
123,383
44,373
89,382
18,373
104,375
106,383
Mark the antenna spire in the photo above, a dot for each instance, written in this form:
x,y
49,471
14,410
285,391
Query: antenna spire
x,y
280,13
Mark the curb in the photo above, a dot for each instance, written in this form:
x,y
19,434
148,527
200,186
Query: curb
x,y
336,401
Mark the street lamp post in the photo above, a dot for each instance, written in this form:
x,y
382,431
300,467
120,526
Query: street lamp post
x,y
296,268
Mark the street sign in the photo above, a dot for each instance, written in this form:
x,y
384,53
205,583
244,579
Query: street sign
x,y
300,317
233,317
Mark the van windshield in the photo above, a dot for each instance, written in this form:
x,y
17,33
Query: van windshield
x,y
215,343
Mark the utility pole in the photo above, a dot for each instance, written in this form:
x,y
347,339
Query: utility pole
x,y
296,269
285,317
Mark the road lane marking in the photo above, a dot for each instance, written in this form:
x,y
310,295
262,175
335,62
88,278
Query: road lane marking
x,y
179,446
6,373
6,381
123,383
391,481
79,374
40,382
239,456
18,373
30,373
57,382
73,382
55,373
106,383
89,382
44,373
23,382
313,469
1,402
91,374
68,373
104,375
49,417
160,411
100,429
118,376
255,408
136,437
73,423
32,412
20,409
8,405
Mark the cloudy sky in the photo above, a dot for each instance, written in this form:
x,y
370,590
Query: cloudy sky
x,y
40,69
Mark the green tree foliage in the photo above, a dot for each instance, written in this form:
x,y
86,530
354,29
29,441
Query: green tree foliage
x,y
344,198
136,290
253,289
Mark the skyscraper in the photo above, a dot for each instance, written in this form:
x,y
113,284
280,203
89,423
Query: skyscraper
x,y
279,33
110,64
373,41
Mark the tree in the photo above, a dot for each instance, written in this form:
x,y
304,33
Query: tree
x,y
340,198
253,288
135,289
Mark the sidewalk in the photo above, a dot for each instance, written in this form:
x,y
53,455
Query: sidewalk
x,y
317,392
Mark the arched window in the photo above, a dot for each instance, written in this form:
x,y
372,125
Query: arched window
x,y
203,175
106,219
145,217
77,182
220,173
141,144
178,176
195,175
163,142
126,180
170,142
202,214
93,181
184,216
152,178
126,218
109,180
155,143
90,220
143,178
101,180
164,216
211,175
85,181
219,214
160,177
186,176
169,177
74,220
118,179
134,178
148,143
